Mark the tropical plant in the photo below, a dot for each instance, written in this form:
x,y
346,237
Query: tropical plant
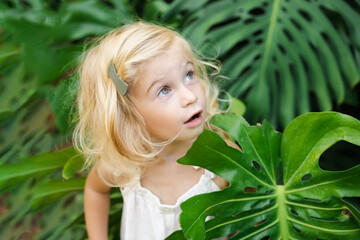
x,y
304,202
283,57
40,42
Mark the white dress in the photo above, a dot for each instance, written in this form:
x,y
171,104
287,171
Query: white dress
x,y
145,218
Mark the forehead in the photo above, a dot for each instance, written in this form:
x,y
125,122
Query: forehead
x,y
171,59
175,51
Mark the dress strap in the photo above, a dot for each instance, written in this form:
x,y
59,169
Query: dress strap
x,y
209,174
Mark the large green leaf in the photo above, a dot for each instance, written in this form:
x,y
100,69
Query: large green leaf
x,y
36,165
281,56
48,192
309,205
73,166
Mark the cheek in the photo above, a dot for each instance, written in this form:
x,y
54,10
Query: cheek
x,y
157,118
201,93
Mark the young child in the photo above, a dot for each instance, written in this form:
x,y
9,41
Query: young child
x,y
144,98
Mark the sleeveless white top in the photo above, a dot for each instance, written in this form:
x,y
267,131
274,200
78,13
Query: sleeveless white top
x,y
145,218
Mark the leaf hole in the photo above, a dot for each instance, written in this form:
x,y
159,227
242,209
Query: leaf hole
x,y
235,214
305,15
312,200
224,23
297,25
293,212
340,157
232,234
257,57
250,20
250,190
257,11
265,238
293,71
282,49
297,230
260,223
208,218
245,71
306,177
347,212
274,59
256,165
288,35
328,40
257,33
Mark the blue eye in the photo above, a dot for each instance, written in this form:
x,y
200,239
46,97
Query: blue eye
x,y
164,91
190,76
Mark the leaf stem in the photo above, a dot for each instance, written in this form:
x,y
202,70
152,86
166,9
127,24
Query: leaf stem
x,y
282,213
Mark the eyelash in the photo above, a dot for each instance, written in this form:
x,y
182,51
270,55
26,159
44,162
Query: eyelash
x,y
169,89
192,74
164,87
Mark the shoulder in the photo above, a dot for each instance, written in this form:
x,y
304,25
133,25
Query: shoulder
x,y
94,182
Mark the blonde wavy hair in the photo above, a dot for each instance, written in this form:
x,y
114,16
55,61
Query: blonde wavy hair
x,y
110,132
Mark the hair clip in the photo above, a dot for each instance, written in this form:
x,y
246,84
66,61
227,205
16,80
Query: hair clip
x,y
120,84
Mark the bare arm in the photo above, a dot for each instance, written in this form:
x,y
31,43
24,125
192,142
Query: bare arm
x,y
96,203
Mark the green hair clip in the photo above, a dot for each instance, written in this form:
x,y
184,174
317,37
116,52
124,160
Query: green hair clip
x,y
120,84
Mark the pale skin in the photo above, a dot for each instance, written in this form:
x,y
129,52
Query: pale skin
x,y
168,94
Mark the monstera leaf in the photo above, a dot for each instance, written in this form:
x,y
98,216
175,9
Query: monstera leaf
x,y
284,57
304,202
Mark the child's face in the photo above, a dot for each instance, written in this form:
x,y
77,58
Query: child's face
x,y
170,97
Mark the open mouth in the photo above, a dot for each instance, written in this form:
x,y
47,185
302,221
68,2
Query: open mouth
x,y
195,116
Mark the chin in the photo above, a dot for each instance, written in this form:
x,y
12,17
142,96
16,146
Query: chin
x,y
191,135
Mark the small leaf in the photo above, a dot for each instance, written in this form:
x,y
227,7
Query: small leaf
x,y
72,166
237,106
37,164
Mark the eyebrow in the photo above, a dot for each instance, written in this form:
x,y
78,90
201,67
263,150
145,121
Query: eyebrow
x,y
154,83
162,78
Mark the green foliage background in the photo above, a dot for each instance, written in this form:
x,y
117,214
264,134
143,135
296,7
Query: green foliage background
x,y
282,58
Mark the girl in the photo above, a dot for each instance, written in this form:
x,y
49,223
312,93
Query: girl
x,y
144,97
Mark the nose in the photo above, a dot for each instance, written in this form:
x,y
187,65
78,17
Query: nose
x,y
188,96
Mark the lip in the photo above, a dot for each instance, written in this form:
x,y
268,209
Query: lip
x,y
195,122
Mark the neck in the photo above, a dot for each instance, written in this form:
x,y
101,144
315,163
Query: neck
x,y
175,150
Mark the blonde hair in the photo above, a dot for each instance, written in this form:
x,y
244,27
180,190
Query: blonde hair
x,y
110,132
